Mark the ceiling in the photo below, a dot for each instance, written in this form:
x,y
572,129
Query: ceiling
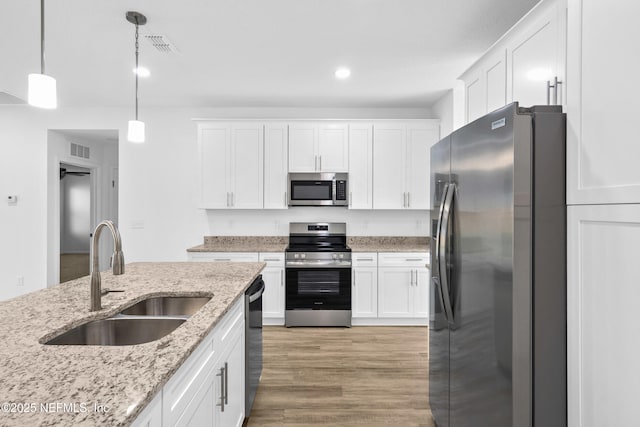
x,y
253,53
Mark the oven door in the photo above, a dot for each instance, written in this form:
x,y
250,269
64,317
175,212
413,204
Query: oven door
x,y
318,288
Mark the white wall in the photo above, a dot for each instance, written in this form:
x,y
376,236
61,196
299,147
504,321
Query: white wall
x,y
443,109
158,194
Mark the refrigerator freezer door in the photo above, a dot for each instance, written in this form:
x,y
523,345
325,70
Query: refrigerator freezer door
x,y
438,325
481,287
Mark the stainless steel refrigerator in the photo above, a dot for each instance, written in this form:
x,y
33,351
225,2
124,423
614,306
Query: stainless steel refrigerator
x,y
497,338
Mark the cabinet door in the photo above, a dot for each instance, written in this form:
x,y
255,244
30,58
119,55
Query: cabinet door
x,y
151,416
303,141
602,319
273,297
388,166
365,292
421,293
276,146
602,134
495,75
535,56
213,141
395,292
475,100
247,163
361,166
201,411
420,138
333,147
233,414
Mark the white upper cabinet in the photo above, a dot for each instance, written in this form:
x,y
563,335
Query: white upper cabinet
x,y
360,166
535,55
214,140
276,147
401,164
318,147
602,138
519,65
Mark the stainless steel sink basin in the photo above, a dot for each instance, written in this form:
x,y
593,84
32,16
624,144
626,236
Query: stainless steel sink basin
x,y
118,331
166,306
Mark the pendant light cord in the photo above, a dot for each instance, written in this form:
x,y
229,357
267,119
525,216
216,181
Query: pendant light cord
x,y
136,68
41,36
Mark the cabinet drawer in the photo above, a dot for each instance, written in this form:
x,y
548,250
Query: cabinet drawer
x,y
364,259
232,322
273,259
403,259
224,256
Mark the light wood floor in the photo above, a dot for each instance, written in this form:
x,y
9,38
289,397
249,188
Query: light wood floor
x,y
362,376
73,266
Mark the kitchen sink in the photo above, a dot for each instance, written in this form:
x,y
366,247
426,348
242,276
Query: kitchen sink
x,y
116,331
166,306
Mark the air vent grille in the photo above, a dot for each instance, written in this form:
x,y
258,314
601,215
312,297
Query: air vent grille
x,y
81,151
161,43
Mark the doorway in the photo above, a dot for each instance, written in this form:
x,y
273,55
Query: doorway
x,y
83,189
75,221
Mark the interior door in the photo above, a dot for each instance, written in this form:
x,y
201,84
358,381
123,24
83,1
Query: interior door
x,y
481,283
438,327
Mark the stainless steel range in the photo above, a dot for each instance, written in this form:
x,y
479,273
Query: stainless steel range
x,y
318,273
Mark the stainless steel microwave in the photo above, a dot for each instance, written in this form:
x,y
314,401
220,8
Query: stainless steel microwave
x,y
317,189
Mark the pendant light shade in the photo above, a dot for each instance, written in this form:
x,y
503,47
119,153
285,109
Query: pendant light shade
x,y
42,91
42,88
135,131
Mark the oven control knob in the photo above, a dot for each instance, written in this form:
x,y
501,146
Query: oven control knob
x,y
334,256
296,256
303,256
341,256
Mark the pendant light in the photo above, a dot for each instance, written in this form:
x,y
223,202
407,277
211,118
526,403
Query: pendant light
x,y
136,127
42,88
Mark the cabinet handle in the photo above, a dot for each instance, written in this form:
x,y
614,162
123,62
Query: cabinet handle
x,y
223,259
315,163
281,278
226,383
221,375
227,199
271,259
413,259
232,201
320,168
364,259
285,198
350,198
408,199
416,278
555,91
411,277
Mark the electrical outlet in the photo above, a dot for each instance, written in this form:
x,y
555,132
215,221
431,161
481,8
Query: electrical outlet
x,y
20,281
137,224
12,200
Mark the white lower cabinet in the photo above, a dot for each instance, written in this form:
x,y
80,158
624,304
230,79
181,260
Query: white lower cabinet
x,y
403,286
603,322
273,297
364,286
214,371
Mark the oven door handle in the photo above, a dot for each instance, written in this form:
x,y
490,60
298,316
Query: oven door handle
x,y
303,264
257,294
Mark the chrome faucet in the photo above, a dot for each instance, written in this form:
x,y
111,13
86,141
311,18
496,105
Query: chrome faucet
x,y
117,261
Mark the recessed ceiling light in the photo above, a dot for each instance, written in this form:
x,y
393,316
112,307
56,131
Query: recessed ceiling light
x,y
142,71
343,73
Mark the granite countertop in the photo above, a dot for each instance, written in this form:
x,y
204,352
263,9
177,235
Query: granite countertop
x,y
279,244
388,244
122,378
242,244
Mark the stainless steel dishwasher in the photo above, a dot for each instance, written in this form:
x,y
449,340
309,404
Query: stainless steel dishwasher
x,y
253,341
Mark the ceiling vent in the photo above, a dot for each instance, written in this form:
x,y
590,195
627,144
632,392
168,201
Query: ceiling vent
x,y
161,43
77,150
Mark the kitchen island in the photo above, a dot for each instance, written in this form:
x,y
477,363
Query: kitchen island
x,y
47,385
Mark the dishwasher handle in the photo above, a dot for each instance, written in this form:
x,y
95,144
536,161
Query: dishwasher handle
x,y
258,294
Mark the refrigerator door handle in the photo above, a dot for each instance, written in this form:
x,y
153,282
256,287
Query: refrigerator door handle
x,y
442,252
436,270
